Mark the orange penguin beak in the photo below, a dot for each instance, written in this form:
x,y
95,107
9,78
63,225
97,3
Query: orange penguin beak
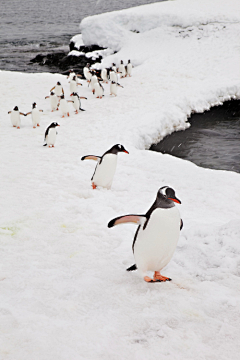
x,y
126,151
176,200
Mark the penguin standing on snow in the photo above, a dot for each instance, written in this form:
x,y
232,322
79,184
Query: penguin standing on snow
x,y
87,73
77,102
129,68
93,80
106,167
99,90
122,69
104,75
15,117
74,84
157,234
35,115
63,106
51,134
113,76
53,101
58,89
113,88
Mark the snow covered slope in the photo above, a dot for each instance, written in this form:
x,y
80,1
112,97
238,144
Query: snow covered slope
x,y
64,290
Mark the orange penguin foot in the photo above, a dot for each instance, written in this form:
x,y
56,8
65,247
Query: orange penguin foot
x,y
94,186
34,127
38,125
63,116
76,112
18,127
14,125
158,277
68,114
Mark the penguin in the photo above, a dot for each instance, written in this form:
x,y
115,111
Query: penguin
x,y
50,134
104,75
122,69
53,101
113,88
35,115
77,102
98,89
74,84
15,117
63,106
113,76
87,73
157,234
129,68
58,89
93,80
114,68
106,166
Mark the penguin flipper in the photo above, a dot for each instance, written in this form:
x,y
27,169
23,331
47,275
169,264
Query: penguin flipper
x,y
135,219
82,109
91,157
181,225
132,268
45,145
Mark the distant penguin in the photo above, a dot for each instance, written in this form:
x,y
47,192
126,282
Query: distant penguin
x,y
15,117
77,102
104,75
129,68
72,74
73,84
93,80
51,134
113,88
99,90
35,115
53,101
157,234
114,68
58,89
63,106
122,69
106,167
87,73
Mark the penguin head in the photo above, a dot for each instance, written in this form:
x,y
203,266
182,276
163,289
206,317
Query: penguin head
x,y
74,94
129,61
53,125
113,82
52,93
168,193
113,64
34,105
74,77
118,148
16,108
62,96
121,61
58,83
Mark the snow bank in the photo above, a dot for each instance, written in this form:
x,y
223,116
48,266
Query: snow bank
x,y
65,293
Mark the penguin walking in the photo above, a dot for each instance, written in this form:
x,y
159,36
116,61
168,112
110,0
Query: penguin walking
x,y
58,89
93,80
122,70
157,234
63,106
106,166
35,115
87,73
114,87
15,117
74,84
53,101
99,90
72,74
104,75
51,134
77,102
129,68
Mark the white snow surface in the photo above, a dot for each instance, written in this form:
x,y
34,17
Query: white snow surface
x,y
64,290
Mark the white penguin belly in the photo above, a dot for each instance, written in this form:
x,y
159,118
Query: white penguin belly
x,y
73,86
122,70
87,74
155,245
113,89
76,103
105,171
53,102
98,89
104,74
51,137
35,117
129,69
64,106
93,81
58,90
15,118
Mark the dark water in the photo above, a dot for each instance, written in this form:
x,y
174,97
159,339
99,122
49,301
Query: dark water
x,y
212,141
31,27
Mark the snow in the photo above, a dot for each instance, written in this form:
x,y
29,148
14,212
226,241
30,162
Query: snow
x,y
77,40
65,293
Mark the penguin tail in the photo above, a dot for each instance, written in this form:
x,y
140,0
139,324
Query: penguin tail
x,y
82,109
132,268
45,145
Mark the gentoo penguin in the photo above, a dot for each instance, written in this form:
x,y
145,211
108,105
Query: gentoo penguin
x,y
58,89
77,102
157,234
99,90
35,115
15,117
87,73
73,84
106,167
53,101
104,75
129,68
93,80
63,106
113,88
114,68
50,134
122,69
113,76
72,74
